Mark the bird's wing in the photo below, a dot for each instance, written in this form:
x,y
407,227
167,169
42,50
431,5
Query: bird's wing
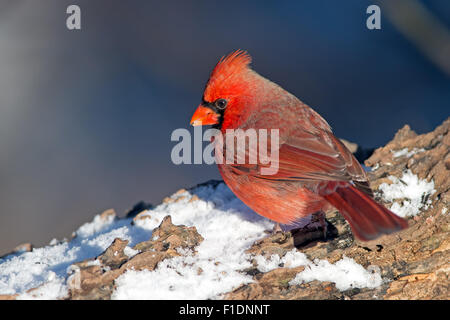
x,y
304,156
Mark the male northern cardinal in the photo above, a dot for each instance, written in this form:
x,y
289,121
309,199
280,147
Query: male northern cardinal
x,y
316,170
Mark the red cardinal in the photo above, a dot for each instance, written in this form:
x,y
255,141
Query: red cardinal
x,y
315,169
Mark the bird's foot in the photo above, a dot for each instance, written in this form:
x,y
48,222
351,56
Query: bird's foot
x,y
316,229
323,225
276,228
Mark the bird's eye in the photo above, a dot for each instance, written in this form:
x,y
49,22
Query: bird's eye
x,y
221,104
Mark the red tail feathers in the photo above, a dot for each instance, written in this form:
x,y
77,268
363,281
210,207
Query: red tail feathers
x,y
367,218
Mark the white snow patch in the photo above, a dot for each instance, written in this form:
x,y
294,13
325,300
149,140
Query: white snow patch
x,y
413,193
291,259
405,152
91,263
228,227
96,225
345,273
130,252
54,242
48,266
54,288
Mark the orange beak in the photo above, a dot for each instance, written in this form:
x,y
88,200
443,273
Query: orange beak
x,y
204,116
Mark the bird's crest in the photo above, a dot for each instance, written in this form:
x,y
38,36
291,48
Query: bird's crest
x,y
227,67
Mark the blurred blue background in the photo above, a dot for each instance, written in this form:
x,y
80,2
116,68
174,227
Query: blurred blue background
x,y
86,116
